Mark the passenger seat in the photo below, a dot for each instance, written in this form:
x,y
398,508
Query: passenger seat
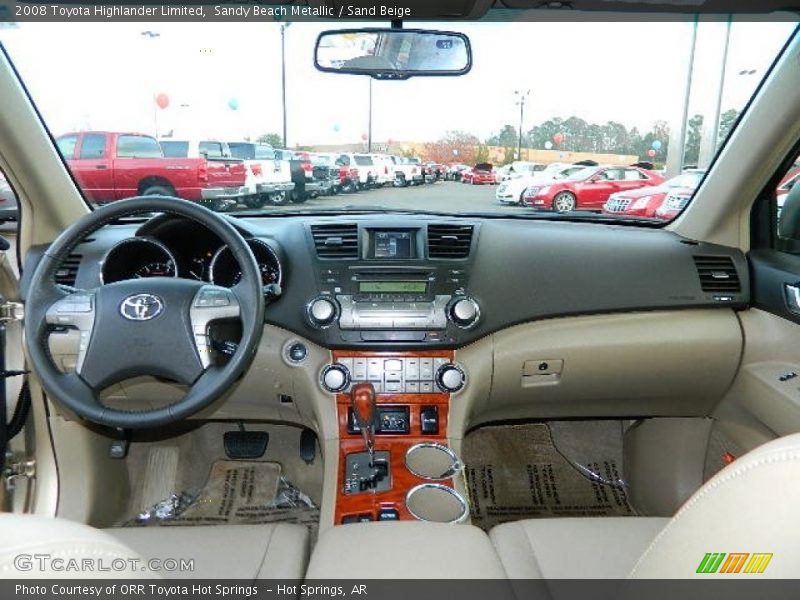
x,y
272,551
750,507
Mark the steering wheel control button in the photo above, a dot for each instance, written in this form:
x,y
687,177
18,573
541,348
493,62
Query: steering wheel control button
x,y
335,378
322,311
450,378
464,312
212,297
211,303
297,352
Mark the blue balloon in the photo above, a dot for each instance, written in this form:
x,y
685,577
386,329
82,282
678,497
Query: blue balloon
x,y
657,145
337,128
233,104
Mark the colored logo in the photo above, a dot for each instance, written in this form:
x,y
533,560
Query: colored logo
x,y
734,562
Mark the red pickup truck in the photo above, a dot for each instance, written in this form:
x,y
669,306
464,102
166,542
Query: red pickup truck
x,y
110,166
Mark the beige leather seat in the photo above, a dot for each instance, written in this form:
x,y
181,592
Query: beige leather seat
x,y
405,549
751,507
278,551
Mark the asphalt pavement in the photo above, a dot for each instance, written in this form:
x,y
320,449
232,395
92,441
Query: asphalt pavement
x,y
442,196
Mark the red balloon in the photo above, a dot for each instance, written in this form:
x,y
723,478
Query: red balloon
x,y
162,100
558,138
364,137
651,153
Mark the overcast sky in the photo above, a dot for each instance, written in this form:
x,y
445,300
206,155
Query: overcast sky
x,y
105,75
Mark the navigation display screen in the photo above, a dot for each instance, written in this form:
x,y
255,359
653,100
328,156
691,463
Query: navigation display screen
x,y
393,244
392,287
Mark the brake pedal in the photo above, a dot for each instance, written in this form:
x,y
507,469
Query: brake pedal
x,y
308,446
245,444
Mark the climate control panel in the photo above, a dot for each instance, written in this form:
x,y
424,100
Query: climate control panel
x,y
394,374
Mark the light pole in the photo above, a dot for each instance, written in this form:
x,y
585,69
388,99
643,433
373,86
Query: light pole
x,y
677,141
152,35
284,27
708,145
522,97
369,123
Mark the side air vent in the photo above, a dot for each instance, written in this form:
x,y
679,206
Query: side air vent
x,y
449,241
68,270
336,241
717,274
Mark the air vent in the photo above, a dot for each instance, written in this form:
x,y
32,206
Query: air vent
x,y
449,241
717,274
68,270
336,241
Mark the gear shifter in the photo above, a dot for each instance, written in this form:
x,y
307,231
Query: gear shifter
x,y
363,401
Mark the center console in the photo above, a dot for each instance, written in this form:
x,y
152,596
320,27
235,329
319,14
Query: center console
x,y
411,399
385,286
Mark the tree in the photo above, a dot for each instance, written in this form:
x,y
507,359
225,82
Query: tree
x,y
693,137
273,139
483,154
453,146
506,138
726,123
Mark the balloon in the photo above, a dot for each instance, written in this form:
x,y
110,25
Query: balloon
x,y
233,104
389,142
337,128
558,138
162,100
548,145
455,151
657,145
364,137
651,153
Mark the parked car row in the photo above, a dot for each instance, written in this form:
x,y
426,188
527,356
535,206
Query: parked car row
x,y
224,174
574,187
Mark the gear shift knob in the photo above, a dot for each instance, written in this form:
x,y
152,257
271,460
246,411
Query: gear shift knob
x,y
363,401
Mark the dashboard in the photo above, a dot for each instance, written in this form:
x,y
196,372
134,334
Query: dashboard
x,y
405,282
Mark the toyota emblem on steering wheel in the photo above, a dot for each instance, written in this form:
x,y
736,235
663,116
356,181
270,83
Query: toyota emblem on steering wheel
x,y
141,307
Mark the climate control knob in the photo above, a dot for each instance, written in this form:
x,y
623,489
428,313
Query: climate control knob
x,y
465,312
322,311
335,378
450,378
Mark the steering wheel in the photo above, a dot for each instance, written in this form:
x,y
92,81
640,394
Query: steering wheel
x,y
156,326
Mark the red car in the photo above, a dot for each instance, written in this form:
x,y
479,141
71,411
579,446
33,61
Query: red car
x,y
589,188
644,202
481,173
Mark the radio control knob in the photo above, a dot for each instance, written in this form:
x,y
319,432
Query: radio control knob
x,y
322,311
465,312
450,378
335,378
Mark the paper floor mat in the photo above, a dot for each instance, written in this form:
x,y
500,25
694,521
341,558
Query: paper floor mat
x,y
516,472
242,492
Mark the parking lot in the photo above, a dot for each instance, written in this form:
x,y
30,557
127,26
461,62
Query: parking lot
x,y
442,196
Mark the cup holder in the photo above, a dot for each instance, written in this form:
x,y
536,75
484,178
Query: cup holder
x,y
436,503
432,461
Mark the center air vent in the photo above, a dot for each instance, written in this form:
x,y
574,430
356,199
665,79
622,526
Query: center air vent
x,y
717,274
68,270
449,241
336,241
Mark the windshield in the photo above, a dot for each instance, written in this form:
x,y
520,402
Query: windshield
x,y
618,95
687,180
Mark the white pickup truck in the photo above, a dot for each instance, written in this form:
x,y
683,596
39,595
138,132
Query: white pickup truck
x,y
407,171
268,176
364,166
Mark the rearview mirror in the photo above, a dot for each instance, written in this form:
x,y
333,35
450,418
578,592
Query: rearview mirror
x,y
393,53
